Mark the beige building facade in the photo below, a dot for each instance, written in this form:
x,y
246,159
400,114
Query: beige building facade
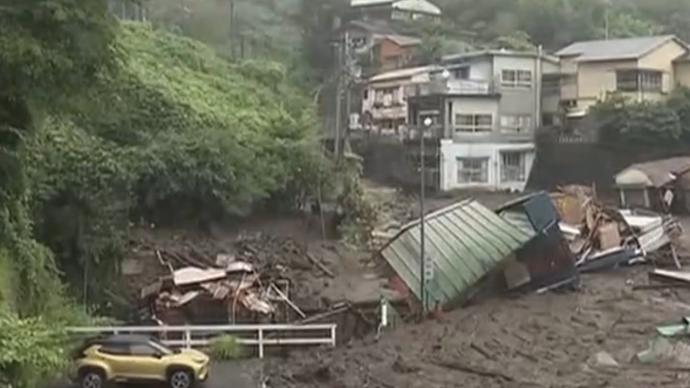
x,y
643,69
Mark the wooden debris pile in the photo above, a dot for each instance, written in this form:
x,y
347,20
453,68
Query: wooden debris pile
x,y
603,237
249,282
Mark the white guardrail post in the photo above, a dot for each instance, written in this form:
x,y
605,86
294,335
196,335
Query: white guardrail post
x,y
189,341
261,343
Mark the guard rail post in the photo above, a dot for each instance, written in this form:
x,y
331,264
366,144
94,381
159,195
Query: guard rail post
x,y
261,343
188,338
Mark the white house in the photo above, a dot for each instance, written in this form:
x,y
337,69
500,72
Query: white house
x,y
487,106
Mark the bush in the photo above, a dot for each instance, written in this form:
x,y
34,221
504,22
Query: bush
x,y
226,348
32,349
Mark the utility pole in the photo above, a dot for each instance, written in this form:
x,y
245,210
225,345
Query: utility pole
x,y
232,28
349,78
607,3
338,77
539,87
344,77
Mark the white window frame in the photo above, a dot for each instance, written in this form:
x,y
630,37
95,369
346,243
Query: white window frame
x,y
466,177
476,126
516,123
513,78
514,173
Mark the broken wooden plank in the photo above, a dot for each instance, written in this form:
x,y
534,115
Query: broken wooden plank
x,y
679,276
164,262
321,266
288,301
675,257
327,314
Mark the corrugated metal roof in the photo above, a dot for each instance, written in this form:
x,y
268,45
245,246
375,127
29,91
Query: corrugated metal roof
x,y
519,219
403,40
655,173
465,240
419,6
365,3
600,50
462,57
401,73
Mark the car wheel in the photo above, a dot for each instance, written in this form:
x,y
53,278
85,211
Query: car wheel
x,y
181,379
92,379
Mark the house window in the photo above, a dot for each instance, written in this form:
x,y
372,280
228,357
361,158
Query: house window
x,y
639,80
513,167
387,97
366,94
516,123
473,170
473,123
462,73
651,81
551,84
516,78
626,80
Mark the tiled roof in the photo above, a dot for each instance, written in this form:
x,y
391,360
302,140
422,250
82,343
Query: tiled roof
x,y
601,50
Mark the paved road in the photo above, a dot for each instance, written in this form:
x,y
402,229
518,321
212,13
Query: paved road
x,y
240,374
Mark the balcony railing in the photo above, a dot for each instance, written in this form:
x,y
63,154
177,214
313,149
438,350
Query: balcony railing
x,y
453,86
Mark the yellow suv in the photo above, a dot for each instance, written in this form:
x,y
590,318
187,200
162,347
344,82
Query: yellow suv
x,y
137,359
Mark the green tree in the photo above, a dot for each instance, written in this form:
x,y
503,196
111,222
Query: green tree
x,y
626,25
32,350
623,121
48,48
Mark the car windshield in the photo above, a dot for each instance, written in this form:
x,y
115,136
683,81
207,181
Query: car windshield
x,y
164,350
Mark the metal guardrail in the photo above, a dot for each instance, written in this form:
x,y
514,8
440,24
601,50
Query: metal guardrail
x,y
202,336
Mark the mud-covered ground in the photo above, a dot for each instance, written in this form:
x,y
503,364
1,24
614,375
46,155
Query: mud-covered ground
x,y
549,340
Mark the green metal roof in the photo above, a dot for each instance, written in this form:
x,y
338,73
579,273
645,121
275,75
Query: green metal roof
x,y
465,240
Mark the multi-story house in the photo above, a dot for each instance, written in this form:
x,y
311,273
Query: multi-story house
x,y
486,107
384,100
645,68
380,48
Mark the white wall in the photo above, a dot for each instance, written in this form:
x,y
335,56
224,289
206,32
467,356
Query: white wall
x,y
451,151
481,71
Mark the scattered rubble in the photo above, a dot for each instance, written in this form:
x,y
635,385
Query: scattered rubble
x,y
256,275
603,237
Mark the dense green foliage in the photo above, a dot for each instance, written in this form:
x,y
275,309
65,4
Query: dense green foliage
x,y
176,127
652,123
555,23
32,349
48,48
